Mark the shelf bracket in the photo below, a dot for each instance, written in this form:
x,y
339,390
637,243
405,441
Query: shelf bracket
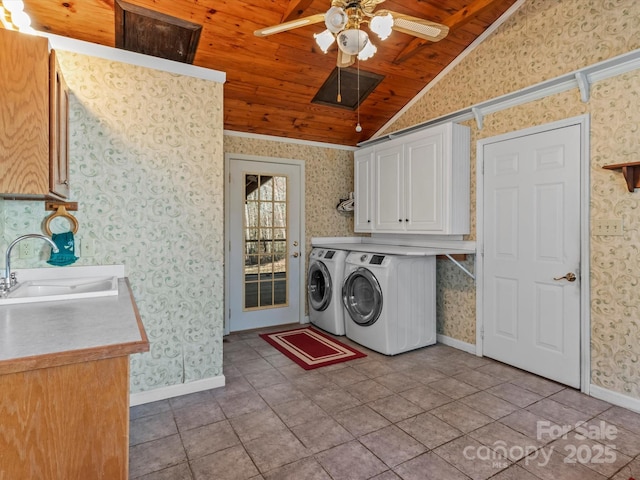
x,y
460,266
631,172
584,86
53,206
478,116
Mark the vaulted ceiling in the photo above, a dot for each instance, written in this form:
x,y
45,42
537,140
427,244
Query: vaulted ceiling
x,y
271,81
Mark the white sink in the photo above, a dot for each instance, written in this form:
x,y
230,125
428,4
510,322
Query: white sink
x,y
63,289
48,285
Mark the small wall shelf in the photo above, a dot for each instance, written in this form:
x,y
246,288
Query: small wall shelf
x,y
631,172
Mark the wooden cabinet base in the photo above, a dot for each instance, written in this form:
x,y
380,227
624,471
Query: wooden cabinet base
x,y
66,422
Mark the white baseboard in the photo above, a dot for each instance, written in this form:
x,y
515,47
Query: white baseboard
x,y
171,391
460,345
615,398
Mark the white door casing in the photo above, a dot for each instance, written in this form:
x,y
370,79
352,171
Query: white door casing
x,y
531,230
236,316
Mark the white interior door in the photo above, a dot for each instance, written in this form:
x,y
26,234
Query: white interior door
x,y
531,294
265,260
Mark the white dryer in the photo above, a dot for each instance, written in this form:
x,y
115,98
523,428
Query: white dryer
x,y
324,282
390,301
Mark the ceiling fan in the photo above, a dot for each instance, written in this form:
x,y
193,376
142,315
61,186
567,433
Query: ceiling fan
x,y
344,19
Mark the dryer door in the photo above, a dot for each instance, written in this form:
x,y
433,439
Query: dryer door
x,y
362,297
319,286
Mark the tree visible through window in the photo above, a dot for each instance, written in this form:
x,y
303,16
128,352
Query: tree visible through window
x,y
265,241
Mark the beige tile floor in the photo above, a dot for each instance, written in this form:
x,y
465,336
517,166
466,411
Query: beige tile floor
x,y
434,413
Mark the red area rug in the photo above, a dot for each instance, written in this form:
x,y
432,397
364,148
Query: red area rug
x,y
311,349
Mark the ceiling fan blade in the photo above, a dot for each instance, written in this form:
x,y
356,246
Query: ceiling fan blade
x,y
418,27
283,27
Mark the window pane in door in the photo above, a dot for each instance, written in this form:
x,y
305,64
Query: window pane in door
x,y
265,242
279,214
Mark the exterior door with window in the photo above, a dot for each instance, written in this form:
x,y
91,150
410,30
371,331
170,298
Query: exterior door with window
x,y
264,244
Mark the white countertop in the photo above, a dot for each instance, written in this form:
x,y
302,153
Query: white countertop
x,y
36,335
32,329
369,245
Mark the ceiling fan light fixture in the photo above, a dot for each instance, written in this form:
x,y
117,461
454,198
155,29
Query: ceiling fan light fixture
x,y
335,19
367,52
14,6
352,41
13,17
382,25
324,40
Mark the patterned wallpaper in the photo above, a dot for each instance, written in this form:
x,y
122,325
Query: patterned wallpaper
x,y
544,39
147,172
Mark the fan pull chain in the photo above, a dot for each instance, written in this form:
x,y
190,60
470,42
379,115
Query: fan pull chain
x,y
358,126
339,99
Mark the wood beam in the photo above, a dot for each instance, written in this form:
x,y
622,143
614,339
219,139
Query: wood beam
x,y
468,13
413,47
455,21
295,8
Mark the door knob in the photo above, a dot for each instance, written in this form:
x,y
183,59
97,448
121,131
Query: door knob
x,y
571,277
295,254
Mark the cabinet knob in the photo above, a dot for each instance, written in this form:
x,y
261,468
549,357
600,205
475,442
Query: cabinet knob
x,y
400,220
66,182
406,219
368,221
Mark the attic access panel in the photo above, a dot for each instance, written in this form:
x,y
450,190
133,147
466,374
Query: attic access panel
x,y
146,31
348,77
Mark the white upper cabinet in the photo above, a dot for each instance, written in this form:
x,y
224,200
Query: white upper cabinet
x,y
363,173
388,202
420,183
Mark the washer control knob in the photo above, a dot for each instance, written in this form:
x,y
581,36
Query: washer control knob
x,y
363,258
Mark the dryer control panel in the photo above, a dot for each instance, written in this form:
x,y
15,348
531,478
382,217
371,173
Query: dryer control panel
x,y
376,259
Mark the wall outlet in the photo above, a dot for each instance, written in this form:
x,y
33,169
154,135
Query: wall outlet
x,y
26,249
87,247
607,227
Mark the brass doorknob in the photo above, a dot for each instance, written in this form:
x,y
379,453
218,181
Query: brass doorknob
x,y
571,277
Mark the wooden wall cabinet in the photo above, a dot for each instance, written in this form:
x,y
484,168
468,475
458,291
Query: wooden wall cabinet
x,y
419,183
34,117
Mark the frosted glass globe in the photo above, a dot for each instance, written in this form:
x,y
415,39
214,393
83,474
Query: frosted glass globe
x,y
352,41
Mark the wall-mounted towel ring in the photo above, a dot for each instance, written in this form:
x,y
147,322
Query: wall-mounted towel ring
x,y
61,212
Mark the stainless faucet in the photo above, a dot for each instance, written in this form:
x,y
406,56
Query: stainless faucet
x,y
9,281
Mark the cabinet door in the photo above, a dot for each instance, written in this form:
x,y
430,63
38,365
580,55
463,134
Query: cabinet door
x,y
363,175
389,197
24,114
59,135
424,183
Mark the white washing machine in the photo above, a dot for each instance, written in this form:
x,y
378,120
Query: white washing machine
x,y
324,283
390,301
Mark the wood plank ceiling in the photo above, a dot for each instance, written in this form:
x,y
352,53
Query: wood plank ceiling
x,y
271,81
